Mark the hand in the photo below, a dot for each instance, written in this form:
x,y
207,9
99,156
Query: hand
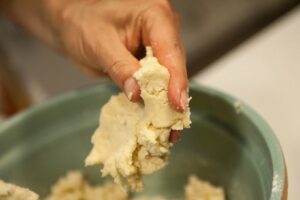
x,y
103,36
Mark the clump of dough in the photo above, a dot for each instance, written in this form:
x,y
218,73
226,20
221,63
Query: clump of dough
x,y
149,198
202,190
13,192
74,187
133,138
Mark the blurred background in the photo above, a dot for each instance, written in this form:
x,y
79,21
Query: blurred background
x,y
247,48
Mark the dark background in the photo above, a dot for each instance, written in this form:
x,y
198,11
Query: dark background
x,y
210,28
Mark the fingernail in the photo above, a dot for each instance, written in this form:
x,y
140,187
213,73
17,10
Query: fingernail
x,y
184,100
130,86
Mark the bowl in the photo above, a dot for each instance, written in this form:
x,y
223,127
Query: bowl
x,y
229,145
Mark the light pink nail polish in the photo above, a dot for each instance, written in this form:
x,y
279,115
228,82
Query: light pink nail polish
x,y
130,87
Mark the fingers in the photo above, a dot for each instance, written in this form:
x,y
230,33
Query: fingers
x,y
131,89
105,54
160,31
120,64
90,70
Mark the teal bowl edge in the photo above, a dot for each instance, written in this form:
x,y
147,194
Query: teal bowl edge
x,y
52,102
279,168
279,183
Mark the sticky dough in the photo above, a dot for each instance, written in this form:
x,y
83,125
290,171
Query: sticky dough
x,y
133,138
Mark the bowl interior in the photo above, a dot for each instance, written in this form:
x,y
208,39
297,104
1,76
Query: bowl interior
x,y
227,145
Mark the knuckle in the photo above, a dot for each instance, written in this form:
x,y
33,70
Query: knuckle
x,y
161,10
67,15
165,4
176,18
159,7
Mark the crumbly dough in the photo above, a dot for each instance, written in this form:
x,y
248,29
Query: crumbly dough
x,y
149,198
74,187
133,138
13,192
202,190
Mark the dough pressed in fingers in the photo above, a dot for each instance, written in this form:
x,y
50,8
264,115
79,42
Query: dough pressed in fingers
x,y
133,138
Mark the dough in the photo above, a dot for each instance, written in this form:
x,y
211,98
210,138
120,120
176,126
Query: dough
x,y
74,187
12,192
149,198
202,190
133,138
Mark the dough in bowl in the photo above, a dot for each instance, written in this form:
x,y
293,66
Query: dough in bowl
x,y
12,192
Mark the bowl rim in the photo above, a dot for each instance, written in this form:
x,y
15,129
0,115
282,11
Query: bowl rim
x,y
279,183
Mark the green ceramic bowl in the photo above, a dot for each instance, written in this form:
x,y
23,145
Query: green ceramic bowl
x,y
229,145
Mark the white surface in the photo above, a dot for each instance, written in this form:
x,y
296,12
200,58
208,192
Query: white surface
x,y
265,73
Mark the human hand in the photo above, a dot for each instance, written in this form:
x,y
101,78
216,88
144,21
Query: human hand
x,y
103,36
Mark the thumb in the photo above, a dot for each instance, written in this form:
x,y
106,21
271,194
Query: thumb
x,y
120,64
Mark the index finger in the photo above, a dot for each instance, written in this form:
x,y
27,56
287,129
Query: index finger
x,y
160,30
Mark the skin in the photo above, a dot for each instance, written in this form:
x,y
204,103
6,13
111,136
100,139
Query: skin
x,y
105,36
